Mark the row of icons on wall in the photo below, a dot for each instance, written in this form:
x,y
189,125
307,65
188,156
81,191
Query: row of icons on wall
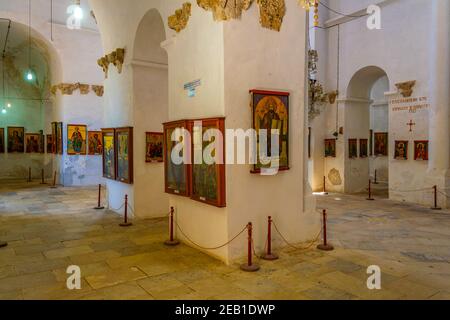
x,y
381,148
18,141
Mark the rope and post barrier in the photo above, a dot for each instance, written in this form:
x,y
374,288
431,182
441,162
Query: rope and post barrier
x,y
43,177
325,186
376,177
325,246
99,203
370,198
53,186
29,175
435,207
269,255
126,223
250,266
172,241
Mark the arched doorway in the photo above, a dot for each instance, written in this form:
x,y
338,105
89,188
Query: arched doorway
x,y
367,126
150,99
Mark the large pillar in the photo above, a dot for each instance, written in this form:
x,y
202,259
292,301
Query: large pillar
x,y
440,94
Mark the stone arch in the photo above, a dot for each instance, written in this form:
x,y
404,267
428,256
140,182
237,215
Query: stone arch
x,y
367,113
362,82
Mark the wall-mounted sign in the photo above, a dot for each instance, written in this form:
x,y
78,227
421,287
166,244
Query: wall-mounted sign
x,y
411,105
191,87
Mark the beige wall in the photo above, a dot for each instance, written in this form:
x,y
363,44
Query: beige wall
x,y
230,58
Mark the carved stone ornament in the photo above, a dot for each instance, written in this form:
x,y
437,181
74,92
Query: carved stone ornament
x,y
224,10
406,88
99,90
116,58
54,90
104,63
332,96
180,19
84,88
272,13
69,88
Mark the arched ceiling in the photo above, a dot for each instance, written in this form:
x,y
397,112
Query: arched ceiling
x,y
16,62
361,84
149,36
42,9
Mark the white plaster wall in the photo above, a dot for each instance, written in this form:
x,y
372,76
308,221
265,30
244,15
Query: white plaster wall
x,y
402,49
379,122
357,124
275,61
80,50
151,109
198,52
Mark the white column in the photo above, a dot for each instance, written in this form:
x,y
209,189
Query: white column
x,y
440,89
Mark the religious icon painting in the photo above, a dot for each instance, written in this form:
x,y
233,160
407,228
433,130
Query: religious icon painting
x,y
59,138
401,150
124,148
54,134
16,140
32,141
154,146
381,144
421,150
353,148
176,170
208,168
271,122
95,144
2,140
109,154
50,144
363,148
330,148
76,139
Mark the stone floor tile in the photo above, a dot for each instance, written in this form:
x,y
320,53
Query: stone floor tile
x,y
114,277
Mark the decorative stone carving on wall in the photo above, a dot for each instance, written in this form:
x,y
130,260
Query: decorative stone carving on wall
x,y
104,63
99,90
70,88
180,19
116,58
406,88
272,13
224,9
84,88
335,177
332,96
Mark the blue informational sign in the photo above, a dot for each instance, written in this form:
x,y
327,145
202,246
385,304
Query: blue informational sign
x,y
191,87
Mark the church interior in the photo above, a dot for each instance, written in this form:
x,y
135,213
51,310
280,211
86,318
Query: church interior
x,y
225,150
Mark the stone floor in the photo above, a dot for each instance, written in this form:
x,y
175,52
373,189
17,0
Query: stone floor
x,y
48,230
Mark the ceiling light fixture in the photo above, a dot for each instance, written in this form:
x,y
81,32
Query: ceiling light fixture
x,y
29,75
78,11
